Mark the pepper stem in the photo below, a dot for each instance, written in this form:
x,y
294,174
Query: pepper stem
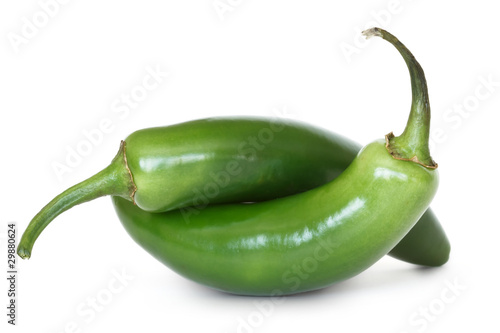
x,y
115,179
413,143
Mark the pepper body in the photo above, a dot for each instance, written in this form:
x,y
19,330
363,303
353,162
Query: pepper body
x,y
332,232
225,160
425,244
193,164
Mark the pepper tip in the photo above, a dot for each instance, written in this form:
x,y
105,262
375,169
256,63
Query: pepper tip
x,y
23,253
368,33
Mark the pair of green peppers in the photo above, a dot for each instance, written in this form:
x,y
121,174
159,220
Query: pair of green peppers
x,y
258,206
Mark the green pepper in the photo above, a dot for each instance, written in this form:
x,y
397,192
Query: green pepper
x,y
222,160
239,159
309,240
240,163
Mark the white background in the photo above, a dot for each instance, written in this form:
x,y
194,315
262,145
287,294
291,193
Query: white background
x,y
66,76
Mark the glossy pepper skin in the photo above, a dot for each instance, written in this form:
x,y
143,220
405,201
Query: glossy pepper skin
x,y
240,159
331,233
268,158
225,160
425,244
194,164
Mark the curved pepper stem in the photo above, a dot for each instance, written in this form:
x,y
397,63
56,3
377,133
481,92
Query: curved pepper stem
x,y
115,179
413,143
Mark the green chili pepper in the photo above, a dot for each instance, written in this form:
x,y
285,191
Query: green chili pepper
x,y
309,240
238,159
195,163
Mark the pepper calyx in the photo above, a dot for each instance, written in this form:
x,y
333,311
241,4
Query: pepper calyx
x,y
394,153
